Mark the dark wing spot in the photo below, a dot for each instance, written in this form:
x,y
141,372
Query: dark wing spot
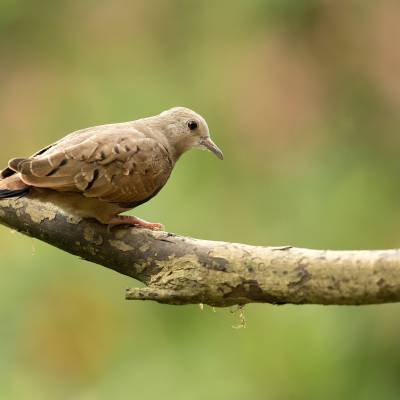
x,y
127,148
7,172
40,152
53,171
95,176
116,149
102,155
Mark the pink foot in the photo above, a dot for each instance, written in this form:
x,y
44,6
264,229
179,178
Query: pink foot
x,y
134,221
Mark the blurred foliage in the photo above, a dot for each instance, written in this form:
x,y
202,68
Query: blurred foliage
x,y
303,97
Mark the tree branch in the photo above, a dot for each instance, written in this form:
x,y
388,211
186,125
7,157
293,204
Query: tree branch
x,y
182,270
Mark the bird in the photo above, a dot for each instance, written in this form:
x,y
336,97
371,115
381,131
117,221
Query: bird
x,y
105,170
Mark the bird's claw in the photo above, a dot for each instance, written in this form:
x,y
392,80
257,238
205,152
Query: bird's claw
x,y
134,221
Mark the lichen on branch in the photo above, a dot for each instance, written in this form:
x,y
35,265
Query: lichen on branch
x,y
182,270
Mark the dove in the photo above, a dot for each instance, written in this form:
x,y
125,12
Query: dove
x,y
103,171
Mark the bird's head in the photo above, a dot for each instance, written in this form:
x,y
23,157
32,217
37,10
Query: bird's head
x,y
185,129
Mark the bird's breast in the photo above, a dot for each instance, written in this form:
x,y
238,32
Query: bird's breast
x,y
141,187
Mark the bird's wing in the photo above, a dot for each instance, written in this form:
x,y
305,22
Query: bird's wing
x,y
6,172
71,139
112,165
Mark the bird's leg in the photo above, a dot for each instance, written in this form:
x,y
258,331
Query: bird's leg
x,y
134,221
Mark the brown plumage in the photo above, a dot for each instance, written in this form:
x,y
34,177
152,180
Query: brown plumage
x,y
102,171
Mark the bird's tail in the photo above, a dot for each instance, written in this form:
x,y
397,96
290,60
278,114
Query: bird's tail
x,y
13,187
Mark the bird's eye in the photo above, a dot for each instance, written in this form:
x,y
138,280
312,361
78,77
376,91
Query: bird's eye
x,y
192,125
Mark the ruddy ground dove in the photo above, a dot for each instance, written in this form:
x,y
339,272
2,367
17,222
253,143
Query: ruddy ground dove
x,y
102,171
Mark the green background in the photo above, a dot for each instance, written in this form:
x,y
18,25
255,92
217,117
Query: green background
x,y
303,97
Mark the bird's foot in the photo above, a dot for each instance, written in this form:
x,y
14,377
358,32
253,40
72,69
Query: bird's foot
x,y
134,221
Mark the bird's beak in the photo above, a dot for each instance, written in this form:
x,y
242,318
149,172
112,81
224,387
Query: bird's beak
x,y
210,145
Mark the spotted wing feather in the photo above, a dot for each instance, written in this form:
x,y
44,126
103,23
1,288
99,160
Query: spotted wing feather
x,y
114,166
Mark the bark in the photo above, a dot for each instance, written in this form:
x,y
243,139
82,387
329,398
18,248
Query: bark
x,y
183,270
